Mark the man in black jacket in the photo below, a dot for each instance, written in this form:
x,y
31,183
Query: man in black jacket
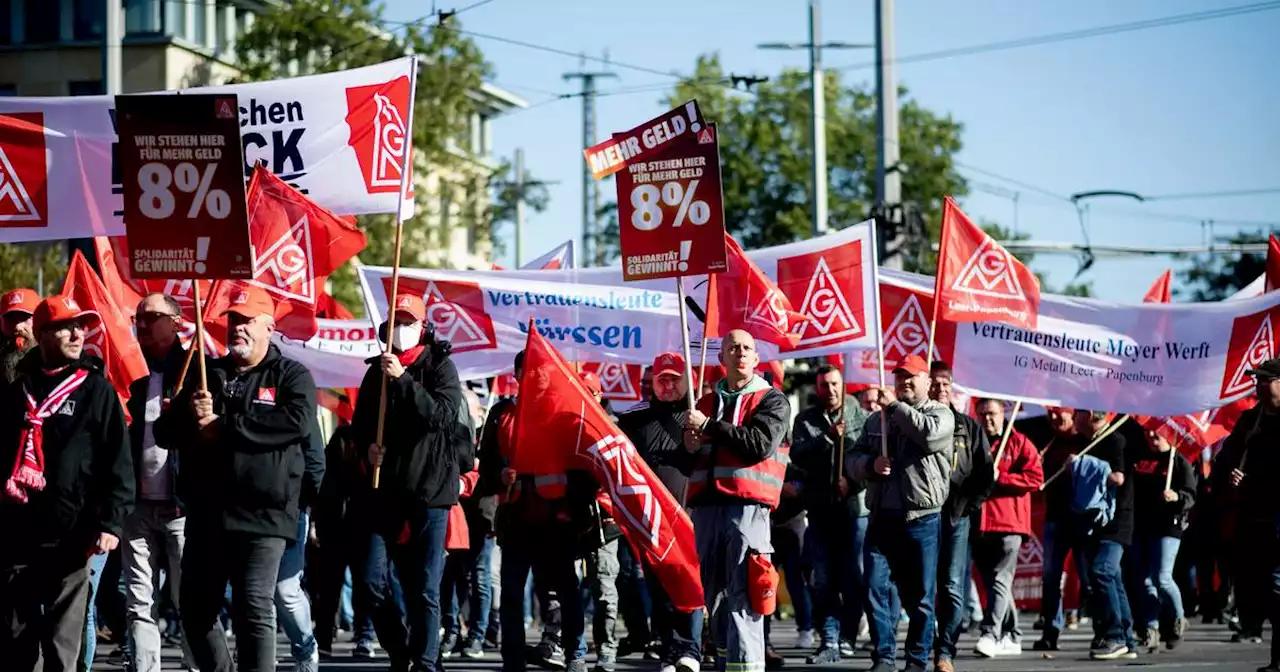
x,y
69,491
420,454
241,444
156,529
972,476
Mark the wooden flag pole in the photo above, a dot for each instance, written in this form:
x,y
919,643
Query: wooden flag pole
x,y
204,375
186,365
702,366
406,170
1096,440
875,281
1168,477
1008,429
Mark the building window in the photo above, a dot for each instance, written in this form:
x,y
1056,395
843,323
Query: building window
x,y
90,19
201,36
8,90
43,21
6,23
142,17
175,18
90,87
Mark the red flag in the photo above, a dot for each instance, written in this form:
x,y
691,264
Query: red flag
x,y
745,298
1161,290
556,405
121,291
330,308
978,280
112,340
297,244
1188,434
1273,265
504,385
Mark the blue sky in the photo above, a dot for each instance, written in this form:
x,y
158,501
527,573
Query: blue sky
x,y
1188,108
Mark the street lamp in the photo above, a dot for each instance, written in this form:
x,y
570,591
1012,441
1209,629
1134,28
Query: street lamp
x,y
817,105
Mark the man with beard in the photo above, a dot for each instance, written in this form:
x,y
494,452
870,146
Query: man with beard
x,y
735,438
971,480
69,491
654,427
422,449
16,338
156,529
907,474
241,444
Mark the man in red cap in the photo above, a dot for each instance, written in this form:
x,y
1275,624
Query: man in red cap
x,y
68,491
422,445
906,472
241,443
16,337
655,428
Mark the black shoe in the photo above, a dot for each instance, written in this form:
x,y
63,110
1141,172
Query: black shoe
x,y
548,655
1039,624
577,666
1108,651
474,648
772,659
914,667
1174,638
1047,642
827,655
882,666
1273,667
447,645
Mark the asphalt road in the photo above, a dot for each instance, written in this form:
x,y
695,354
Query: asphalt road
x,y
1207,647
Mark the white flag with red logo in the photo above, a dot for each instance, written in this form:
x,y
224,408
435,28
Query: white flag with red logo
x,y
112,340
978,280
560,257
1161,290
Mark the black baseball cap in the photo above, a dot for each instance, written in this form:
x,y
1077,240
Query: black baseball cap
x,y
1267,370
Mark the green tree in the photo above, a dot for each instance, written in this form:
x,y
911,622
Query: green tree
x,y
1214,277
329,35
21,263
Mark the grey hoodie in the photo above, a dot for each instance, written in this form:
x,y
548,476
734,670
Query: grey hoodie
x,y
920,446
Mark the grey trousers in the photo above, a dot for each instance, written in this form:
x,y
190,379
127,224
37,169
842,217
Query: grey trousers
x,y
996,556
725,535
43,604
603,573
153,531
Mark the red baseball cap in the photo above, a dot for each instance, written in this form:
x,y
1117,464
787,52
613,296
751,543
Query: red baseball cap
x,y
912,364
411,305
251,301
590,381
19,300
61,308
668,363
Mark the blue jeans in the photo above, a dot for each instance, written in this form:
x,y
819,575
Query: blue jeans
x,y
293,607
953,574
1112,619
1058,539
467,580
834,545
1153,559
90,642
419,564
903,553
787,556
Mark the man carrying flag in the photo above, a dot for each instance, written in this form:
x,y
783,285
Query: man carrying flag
x,y
16,309
735,436
56,514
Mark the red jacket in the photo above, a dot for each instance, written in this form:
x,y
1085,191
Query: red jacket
x,y
1008,509
457,536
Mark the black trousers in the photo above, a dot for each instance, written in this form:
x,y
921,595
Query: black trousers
x,y
43,603
251,563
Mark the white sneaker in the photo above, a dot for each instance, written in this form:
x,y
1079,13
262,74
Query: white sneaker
x,y
311,664
864,629
688,664
987,647
804,640
1010,646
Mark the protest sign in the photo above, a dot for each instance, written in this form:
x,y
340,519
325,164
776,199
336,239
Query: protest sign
x,y
184,202
671,211
337,137
644,141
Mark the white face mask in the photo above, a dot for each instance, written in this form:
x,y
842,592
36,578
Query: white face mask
x,y
406,336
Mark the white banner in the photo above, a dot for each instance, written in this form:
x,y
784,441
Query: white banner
x,y
1144,358
337,137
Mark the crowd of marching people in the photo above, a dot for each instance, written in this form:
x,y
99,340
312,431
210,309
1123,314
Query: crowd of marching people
x,y
213,502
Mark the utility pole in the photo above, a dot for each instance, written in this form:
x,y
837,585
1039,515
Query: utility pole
x,y
590,206
888,170
519,207
817,112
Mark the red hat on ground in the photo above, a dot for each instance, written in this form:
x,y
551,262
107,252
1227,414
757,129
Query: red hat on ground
x,y
668,363
591,381
411,305
19,301
62,308
912,364
251,301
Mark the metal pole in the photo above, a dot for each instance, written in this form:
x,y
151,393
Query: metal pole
x,y
588,139
519,184
111,54
818,121
888,177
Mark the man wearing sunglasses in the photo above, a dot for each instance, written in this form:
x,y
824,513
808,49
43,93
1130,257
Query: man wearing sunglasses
x,y
67,494
157,528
